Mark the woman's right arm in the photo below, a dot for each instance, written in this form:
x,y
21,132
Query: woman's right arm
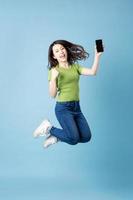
x,y
52,83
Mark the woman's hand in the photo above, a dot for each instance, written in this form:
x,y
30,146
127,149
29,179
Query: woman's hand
x,y
52,83
98,54
54,74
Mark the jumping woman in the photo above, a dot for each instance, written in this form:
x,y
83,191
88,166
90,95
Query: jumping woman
x,y
63,75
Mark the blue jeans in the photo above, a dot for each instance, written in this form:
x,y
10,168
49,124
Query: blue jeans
x,y
75,128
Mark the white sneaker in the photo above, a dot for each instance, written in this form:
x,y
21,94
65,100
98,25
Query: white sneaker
x,y
43,129
50,140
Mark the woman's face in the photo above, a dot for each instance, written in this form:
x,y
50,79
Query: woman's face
x,y
60,53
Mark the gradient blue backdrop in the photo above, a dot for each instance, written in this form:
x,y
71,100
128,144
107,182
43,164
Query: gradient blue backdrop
x,y
99,170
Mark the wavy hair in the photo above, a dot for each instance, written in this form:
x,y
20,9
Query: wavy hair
x,y
75,52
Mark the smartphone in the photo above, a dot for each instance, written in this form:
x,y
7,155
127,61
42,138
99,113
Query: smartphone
x,y
99,45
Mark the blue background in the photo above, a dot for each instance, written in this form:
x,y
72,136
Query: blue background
x,y
101,169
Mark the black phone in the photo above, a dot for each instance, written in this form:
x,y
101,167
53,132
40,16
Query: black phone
x,y
99,45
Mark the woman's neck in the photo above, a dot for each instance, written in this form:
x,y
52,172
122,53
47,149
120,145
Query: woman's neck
x,y
64,64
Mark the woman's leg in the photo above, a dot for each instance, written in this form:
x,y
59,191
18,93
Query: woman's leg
x,y
83,128
69,132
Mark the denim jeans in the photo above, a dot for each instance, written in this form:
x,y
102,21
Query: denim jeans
x,y
75,128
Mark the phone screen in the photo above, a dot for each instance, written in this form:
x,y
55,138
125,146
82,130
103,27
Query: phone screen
x,y
99,45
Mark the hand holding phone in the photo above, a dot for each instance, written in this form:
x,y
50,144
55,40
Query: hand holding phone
x,y
99,45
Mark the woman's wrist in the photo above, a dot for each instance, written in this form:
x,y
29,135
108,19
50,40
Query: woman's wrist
x,y
53,79
97,56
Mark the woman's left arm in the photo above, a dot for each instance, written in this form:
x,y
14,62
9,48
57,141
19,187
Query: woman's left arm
x,y
94,67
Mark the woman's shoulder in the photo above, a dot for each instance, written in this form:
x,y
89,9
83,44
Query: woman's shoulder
x,y
51,68
78,67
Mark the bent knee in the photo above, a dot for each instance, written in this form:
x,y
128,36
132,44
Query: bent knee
x,y
87,139
74,141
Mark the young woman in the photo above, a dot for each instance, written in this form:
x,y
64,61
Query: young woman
x,y
63,75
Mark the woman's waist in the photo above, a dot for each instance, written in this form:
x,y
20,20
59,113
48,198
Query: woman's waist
x,y
67,102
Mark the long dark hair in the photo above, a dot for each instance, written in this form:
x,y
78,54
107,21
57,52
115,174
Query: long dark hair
x,y
75,52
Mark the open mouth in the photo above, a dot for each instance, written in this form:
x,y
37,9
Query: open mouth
x,y
62,56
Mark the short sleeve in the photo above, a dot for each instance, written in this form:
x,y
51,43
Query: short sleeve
x,y
79,68
49,75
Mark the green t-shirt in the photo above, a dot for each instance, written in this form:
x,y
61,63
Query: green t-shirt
x,y
67,82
